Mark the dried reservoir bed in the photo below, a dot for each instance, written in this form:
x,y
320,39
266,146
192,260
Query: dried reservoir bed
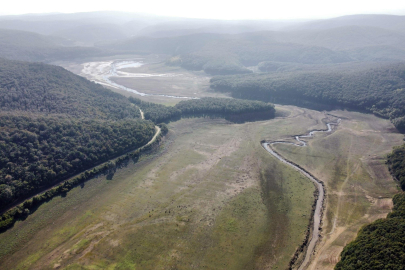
x,y
212,198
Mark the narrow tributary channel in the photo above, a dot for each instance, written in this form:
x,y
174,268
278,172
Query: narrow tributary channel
x,y
314,237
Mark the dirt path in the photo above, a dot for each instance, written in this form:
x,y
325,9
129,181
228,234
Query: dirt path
x,y
157,133
317,218
158,130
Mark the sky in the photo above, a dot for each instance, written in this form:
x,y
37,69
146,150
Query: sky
x,y
215,9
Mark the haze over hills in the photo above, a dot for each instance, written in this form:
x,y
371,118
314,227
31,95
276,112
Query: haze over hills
x,y
343,39
339,89
90,34
28,46
390,22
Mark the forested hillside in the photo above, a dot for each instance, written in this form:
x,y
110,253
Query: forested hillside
x,y
38,152
229,54
378,90
222,54
27,46
54,124
157,113
235,110
42,88
396,163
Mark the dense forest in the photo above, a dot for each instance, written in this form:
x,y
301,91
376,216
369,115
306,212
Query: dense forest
x,y
157,113
22,210
54,124
378,90
235,110
396,163
38,152
41,88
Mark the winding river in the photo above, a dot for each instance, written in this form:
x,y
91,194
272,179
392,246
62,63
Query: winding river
x,y
319,185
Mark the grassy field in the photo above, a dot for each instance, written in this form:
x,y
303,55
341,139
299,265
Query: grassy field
x,y
359,188
212,198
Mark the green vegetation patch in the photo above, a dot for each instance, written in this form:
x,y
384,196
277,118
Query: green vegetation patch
x,y
396,163
234,110
36,153
46,89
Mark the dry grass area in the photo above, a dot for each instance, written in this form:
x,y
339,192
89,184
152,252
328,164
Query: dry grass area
x,y
359,188
212,198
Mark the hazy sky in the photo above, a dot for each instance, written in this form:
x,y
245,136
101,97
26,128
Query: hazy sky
x,y
214,9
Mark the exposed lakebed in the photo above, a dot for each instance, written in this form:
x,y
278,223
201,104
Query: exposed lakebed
x,y
317,214
102,72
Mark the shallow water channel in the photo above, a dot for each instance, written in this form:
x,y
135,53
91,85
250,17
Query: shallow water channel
x,y
319,185
101,73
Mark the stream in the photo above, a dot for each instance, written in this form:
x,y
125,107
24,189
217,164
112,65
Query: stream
x,y
319,185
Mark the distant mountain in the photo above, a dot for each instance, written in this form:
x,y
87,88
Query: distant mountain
x,y
227,54
168,45
132,27
199,26
135,24
390,22
48,24
92,33
27,46
345,37
39,27
215,46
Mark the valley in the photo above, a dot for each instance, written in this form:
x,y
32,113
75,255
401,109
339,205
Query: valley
x,y
201,191
140,141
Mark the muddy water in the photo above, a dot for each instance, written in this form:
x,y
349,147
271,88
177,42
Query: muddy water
x,y
101,72
319,185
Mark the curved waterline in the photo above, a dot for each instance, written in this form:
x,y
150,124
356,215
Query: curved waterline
x,y
317,216
101,72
